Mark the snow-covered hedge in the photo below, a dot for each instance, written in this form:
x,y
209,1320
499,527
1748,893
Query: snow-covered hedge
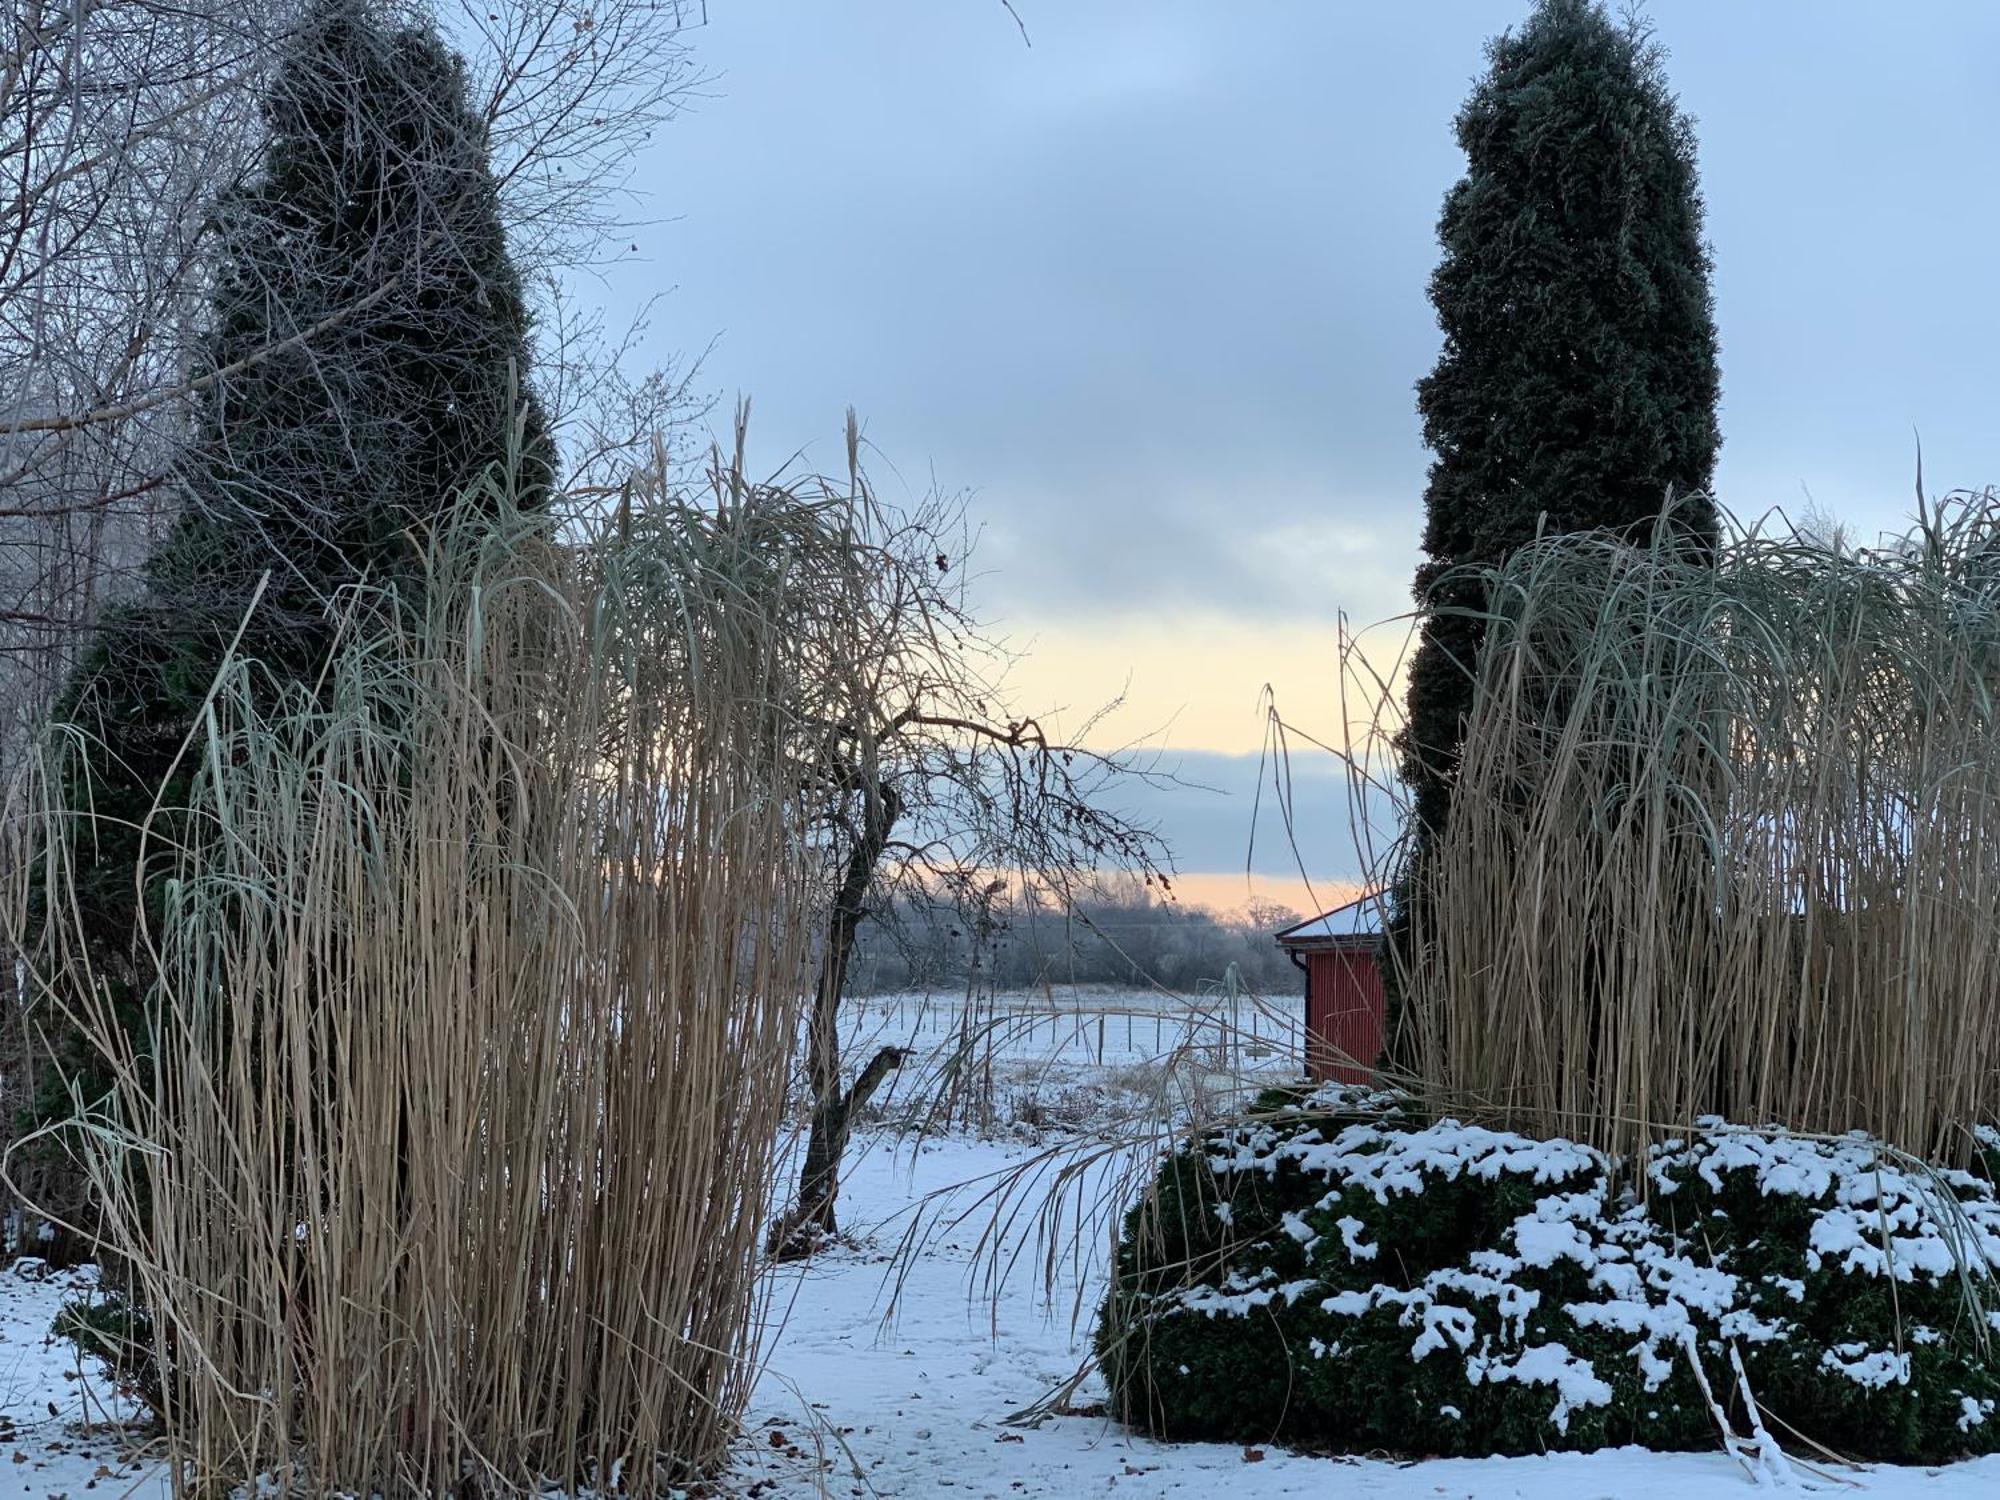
x,y
1341,1273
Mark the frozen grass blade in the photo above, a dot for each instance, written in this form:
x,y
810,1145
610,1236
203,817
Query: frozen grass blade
x,y
1726,841
480,973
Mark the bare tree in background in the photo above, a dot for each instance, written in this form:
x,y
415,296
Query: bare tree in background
x,y
119,126
934,790
122,124
126,127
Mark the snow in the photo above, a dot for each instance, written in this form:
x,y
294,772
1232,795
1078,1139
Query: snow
x,y
1358,918
1872,1212
1551,1234
1350,1236
1888,1216
1362,1155
61,1429
1873,1368
916,1396
1238,1296
895,1376
1548,1364
1441,1323
1086,1034
909,1374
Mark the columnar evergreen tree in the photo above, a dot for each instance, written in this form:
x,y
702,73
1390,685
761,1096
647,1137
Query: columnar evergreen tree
x,y
366,362
1578,383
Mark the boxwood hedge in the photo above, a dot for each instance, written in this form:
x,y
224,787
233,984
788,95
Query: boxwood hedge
x,y
1338,1271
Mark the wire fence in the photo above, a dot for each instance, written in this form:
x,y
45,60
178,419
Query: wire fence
x,y
1115,1029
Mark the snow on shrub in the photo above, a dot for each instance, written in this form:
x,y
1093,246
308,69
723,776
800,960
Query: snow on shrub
x,y
1339,1272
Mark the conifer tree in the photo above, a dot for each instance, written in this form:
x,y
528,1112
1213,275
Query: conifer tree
x,y
366,362
1578,384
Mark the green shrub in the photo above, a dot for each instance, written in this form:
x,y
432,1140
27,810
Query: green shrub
x,y
1343,1273
111,1327
1876,1277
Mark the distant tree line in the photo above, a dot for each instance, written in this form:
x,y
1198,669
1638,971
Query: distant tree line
x,y
1127,935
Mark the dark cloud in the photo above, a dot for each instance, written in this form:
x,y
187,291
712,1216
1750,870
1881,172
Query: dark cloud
x,y
1154,286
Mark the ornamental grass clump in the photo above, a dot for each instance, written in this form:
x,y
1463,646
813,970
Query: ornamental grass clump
x,y
1342,1271
1725,840
446,1165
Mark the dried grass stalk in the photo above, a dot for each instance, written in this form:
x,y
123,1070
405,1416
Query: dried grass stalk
x,y
1726,840
479,979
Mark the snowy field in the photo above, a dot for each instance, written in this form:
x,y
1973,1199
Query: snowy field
x,y
1070,1060
897,1360
1100,1027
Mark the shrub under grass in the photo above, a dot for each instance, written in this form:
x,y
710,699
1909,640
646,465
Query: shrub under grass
x,y
1340,1272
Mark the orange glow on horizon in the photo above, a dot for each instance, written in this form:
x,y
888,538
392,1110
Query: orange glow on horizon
x,y
1229,892
1193,681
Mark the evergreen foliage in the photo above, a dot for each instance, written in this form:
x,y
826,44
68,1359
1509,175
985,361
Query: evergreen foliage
x,y
365,363
1342,1273
1577,385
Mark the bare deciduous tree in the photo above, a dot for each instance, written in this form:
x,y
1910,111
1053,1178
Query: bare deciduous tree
x,y
122,124
126,127
933,789
119,126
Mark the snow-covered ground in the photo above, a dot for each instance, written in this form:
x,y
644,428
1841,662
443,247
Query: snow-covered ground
x,y
1086,1025
1069,1059
894,1369
62,1429
916,1396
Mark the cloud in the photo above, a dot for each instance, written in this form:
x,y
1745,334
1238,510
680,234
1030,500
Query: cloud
x,y
1153,290
1111,283
1196,678
1233,816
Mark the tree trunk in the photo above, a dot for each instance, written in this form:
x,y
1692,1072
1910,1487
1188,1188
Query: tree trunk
x,y
811,1217
811,1220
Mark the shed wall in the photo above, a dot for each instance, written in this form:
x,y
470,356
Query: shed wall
x,y
1346,1010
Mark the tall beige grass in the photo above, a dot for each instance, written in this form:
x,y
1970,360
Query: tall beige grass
x,y
1726,840
480,974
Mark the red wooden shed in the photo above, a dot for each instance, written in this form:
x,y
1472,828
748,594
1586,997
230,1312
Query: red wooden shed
x,y
1346,1008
